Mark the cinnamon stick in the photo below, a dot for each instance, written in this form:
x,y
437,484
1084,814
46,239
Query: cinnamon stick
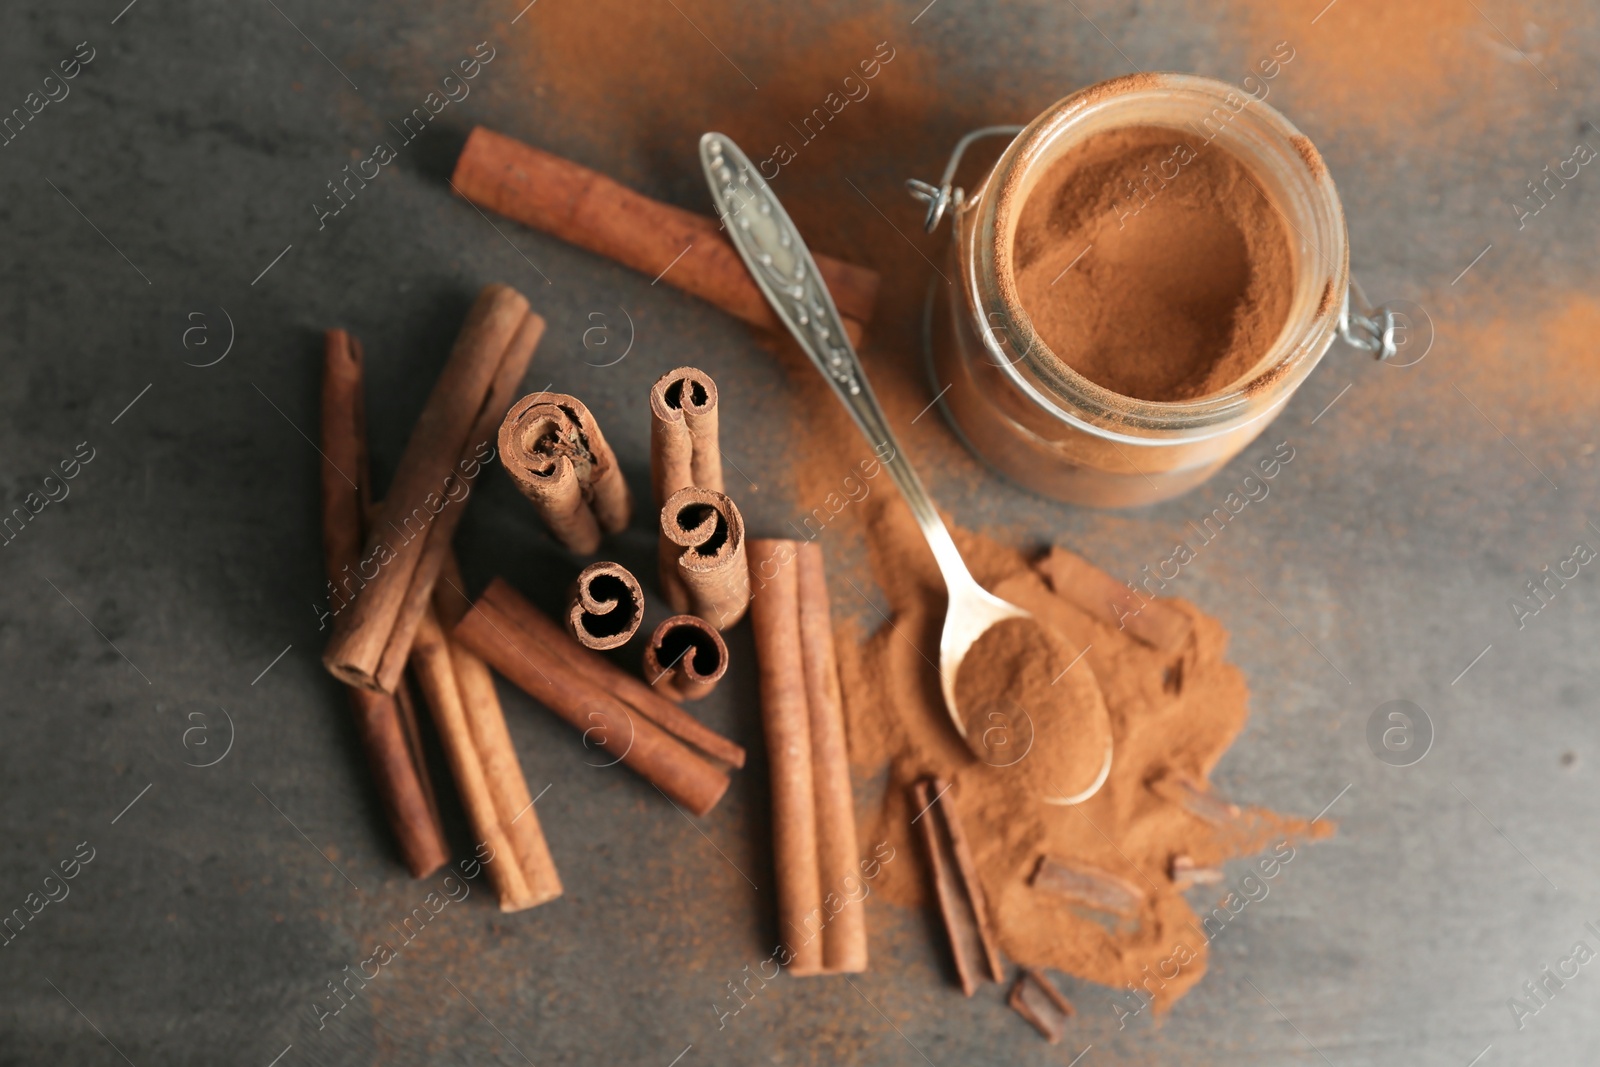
x,y
479,447
679,247
486,720
845,936
955,882
1180,789
684,448
1036,999
435,671
1097,889
1152,621
554,451
397,769
602,673
365,627
606,606
703,557
685,658
513,637
786,718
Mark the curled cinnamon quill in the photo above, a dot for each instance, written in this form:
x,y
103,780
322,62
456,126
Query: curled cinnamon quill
x,y
553,449
703,557
607,606
685,658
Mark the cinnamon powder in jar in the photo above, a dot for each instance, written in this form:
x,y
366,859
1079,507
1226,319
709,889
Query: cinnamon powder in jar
x,y
1152,264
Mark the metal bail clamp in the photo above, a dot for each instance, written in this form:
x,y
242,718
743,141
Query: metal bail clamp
x,y
946,195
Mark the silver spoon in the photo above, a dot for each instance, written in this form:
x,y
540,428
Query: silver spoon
x,y
781,264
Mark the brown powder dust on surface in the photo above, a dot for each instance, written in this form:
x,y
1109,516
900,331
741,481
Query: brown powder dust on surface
x,y
1027,711
1171,718
1185,276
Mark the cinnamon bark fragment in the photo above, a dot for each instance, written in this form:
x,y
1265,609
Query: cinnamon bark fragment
x,y
554,451
1185,874
1152,621
514,638
1180,789
394,757
1036,999
681,248
955,883
685,658
703,557
606,606
1098,889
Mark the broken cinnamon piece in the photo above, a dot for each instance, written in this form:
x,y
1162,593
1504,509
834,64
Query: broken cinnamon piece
x,y
1185,874
682,248
685,658
955,882
1177,788
606,606
555,453
1151,620
703,557
684,448
1086,885
1036,999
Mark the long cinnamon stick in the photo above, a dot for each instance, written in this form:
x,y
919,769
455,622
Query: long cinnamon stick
x,y
685,658
786,718
606,606
682,248
396,767
431,662
475,454
364,628
703,552
845,936
955,882
502,772
684,448
555,453
498,630
602,673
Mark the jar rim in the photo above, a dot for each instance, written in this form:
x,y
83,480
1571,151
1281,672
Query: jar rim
x,y
996,206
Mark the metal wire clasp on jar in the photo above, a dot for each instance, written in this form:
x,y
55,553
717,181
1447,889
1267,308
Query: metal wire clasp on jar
x,y
1032,417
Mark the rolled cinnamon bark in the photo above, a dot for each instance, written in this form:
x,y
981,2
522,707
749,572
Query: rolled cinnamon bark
x,y
845,937
683,433
395,763
606,606
685,658
554,451
601,672
480,446
435,671
501,631
955,883
486,720
703,557
786,719
363,631
683,249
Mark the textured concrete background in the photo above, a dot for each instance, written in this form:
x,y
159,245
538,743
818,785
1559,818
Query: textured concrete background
x,y
165,609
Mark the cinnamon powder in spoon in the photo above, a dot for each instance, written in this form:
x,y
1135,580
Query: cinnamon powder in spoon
x,y
1151,263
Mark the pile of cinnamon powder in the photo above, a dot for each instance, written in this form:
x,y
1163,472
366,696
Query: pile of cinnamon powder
x,y
1171,717
1185,276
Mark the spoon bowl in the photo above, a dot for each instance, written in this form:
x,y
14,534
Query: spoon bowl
x,y
780,263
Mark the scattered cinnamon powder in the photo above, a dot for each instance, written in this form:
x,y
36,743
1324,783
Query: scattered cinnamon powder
x,y
1185,278
1170,735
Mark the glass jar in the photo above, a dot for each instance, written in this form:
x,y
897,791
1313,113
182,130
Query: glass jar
x,y
1052,430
